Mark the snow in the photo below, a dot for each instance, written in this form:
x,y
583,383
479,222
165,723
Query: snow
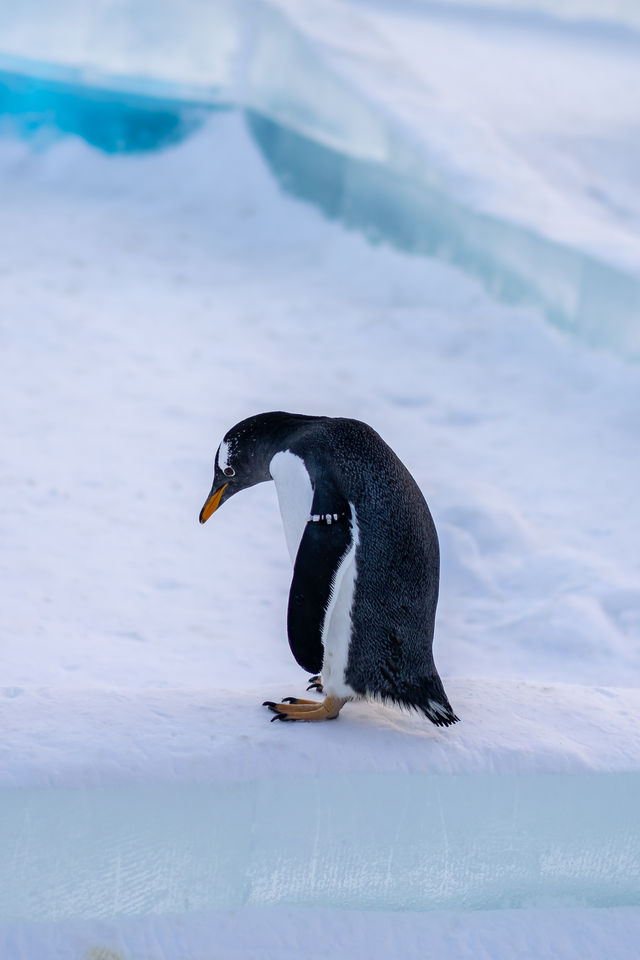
x,y
150,810
528,934
206,733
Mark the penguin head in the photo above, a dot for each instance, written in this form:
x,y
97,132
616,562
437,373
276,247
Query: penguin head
x,y
243,457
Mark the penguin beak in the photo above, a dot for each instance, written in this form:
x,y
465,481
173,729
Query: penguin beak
x,y
212,503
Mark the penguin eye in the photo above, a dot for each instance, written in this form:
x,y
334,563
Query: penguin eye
x,y
229,472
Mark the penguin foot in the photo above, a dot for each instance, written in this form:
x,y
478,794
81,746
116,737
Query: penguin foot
x,y
291,708
315,683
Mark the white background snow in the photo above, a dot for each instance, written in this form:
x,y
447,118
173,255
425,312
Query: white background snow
x,y
148,303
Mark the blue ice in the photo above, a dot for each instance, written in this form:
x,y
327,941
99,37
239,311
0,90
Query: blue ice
x,y
427,842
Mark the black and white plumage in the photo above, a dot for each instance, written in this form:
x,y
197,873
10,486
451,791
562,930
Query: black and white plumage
x,y
366,560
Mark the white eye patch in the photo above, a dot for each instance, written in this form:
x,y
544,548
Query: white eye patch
x,y
223,458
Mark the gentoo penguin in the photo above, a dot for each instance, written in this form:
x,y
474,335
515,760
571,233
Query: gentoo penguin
x,y
365,559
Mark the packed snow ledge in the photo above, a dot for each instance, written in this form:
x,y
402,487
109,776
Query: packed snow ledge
x,y
87,738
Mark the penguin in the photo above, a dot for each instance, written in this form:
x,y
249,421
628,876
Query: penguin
x,y
365,557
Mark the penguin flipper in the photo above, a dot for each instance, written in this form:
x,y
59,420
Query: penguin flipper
x,y
322,547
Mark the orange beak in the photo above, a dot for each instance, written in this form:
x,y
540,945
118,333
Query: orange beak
x,y
212,503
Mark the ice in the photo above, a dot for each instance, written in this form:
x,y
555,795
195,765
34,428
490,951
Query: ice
x,y
578,292
493,143
427,843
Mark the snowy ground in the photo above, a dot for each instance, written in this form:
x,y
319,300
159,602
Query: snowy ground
x,y
148,303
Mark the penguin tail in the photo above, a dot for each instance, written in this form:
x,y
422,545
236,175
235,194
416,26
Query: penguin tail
x,y
426,695
439,712
433,702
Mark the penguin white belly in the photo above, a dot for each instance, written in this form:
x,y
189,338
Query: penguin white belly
x,y
336,633
295,496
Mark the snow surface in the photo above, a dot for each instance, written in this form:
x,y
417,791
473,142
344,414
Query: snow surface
x,y
148,303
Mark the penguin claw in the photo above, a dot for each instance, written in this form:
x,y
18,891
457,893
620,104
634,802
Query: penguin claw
x,y
291,709
275,708
315,683
311,703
